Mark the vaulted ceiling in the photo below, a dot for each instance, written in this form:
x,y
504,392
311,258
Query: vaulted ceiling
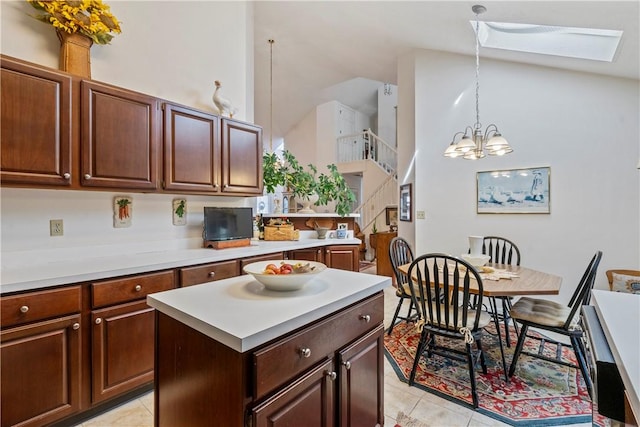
x,y
344,50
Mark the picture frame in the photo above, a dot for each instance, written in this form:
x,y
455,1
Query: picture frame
x,y
391,215
405,202
519,191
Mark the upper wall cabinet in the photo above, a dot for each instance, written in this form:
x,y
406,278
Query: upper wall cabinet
x,y
191,150
241,157
119,140
35,125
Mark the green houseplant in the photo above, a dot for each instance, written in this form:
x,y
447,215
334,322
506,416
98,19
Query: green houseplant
x,y
305,182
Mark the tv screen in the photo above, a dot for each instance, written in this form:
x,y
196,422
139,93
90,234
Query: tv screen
x,y
227,223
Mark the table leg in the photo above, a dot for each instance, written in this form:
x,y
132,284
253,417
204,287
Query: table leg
x,y
493,304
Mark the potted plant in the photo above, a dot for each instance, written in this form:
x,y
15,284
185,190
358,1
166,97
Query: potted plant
x,y
305,183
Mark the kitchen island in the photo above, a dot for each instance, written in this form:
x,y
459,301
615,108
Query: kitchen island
x,y
233,353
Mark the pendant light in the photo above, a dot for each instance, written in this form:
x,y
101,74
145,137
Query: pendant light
x,y
474,141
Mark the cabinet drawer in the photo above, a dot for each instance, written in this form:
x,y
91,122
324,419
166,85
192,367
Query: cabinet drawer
x,y
40,305
130,288
281,361
208,272
246,261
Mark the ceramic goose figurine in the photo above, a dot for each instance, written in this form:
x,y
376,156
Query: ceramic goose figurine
x,y
224,105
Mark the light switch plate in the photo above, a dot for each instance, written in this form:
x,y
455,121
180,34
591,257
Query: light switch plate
x,y
420,215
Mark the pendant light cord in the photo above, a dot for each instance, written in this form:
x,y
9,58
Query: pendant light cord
x,y
478,125
271,42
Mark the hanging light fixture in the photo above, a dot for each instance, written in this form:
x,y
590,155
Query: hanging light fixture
x,y
271,42
474,142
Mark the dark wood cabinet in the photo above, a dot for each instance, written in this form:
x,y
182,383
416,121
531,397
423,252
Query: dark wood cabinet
x,y
308,254
41,354
122,339
241,157
208,272
35,118
192,157
343,257
119,139
381,242
249,260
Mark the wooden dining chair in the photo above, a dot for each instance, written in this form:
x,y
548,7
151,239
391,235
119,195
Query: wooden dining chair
x,y
554,317
502,251
624,280
400,253
441,293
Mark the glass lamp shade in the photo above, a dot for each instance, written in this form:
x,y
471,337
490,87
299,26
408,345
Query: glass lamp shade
x,y
473,155
452,151
465,145
498,146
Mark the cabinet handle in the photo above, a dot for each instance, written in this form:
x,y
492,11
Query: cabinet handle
x,y
87,176
98,321
305,352
319,251
215,185
327,251
24,309
365,317
332,375
76,326
138,288
226,186
212,273
347,365
66,175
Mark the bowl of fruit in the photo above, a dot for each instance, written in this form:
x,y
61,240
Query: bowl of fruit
x,y
289,275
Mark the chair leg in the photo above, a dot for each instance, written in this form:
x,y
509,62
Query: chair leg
x,y
505,320
492,302
472,376
509,307
421,345
579,350
483,362
395,315
518,350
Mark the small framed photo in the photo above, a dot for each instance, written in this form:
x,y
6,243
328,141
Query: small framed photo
x,y
405,202
392,216
514,191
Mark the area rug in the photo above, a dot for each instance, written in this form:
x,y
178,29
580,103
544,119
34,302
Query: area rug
x,y
403,420
539,394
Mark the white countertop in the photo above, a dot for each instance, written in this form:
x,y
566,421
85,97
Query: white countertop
x,y
34,269
619,315
242,314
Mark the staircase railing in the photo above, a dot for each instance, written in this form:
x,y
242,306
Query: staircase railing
x,y
385,195
367,145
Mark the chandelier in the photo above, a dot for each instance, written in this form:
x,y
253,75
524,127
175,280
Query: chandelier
x,y
474,141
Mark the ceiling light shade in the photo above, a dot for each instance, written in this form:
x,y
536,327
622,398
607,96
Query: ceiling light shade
x,y
474,141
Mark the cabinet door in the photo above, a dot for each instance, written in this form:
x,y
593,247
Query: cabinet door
x,y
191,150
309,398
343,257
122,349
309,254
40,375
119,138
361,393
241,157
35,118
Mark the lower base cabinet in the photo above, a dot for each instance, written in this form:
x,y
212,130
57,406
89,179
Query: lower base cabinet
x,y
343,257
329,373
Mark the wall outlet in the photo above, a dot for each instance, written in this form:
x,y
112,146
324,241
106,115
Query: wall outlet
x,y
56,227
420,215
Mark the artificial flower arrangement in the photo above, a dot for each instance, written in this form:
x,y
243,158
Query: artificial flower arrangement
x,y
91,18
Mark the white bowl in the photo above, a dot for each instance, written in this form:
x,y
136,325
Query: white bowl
x,y
476,260
283,282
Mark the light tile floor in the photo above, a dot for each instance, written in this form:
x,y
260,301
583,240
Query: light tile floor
x,y
428,408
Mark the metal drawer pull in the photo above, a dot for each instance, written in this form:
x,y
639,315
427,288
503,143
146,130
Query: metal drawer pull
x,y
332,375
76,326
98,321
87,176
138,288
347,365
305,352
365,317
212,273
24,309
66,175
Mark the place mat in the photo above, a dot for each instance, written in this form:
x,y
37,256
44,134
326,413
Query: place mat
x,y
488,273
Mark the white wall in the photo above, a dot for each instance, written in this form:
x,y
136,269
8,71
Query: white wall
x,y
387,115
214,42
584,127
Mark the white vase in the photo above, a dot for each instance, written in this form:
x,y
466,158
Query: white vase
x,y
306,203
475,244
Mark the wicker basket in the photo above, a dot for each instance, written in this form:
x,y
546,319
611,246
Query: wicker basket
x,y
281,232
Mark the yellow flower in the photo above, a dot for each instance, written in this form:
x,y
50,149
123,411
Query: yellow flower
x,y
92,18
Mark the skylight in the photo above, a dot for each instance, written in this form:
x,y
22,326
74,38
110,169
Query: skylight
x,y
583,43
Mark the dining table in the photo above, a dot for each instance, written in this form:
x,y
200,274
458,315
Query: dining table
x,y
504,281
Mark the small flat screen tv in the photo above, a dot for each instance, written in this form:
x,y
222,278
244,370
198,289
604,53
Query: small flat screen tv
x,y
227,223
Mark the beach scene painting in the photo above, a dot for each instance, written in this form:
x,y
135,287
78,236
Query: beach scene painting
x,y
514,191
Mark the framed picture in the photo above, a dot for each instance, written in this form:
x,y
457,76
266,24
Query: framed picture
x,y
405,202
392,216
514,191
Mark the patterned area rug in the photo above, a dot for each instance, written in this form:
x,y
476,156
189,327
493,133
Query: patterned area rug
x,y
539,393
